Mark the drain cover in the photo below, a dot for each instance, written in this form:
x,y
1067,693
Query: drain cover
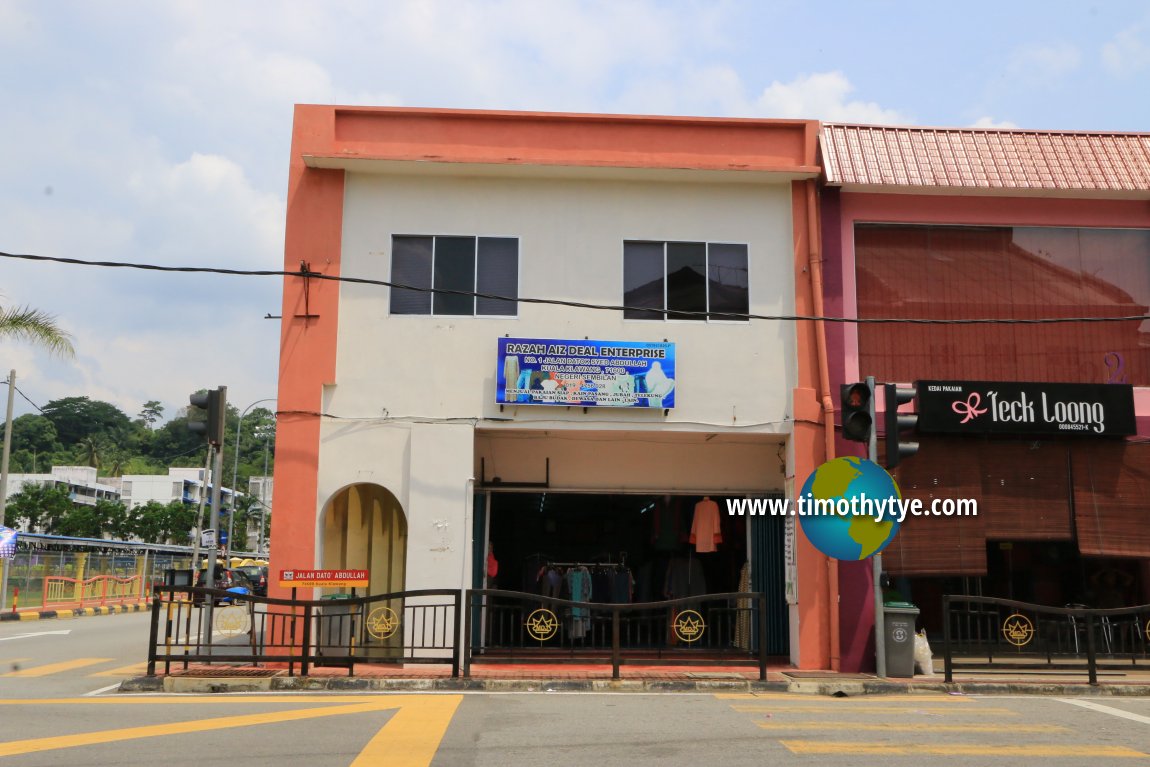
x,y
226,672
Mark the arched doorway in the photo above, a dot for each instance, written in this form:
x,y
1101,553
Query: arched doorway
x,y
364,528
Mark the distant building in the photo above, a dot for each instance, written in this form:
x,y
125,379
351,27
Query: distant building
x,y
259,488
186,484
83,486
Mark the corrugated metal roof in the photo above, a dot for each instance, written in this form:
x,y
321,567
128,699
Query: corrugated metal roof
x,y
976,159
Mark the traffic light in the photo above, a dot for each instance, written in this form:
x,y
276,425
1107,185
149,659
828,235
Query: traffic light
x,y
858,411
897,423
215,403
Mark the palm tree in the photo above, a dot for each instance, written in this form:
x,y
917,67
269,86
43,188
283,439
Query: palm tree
x,y
27,324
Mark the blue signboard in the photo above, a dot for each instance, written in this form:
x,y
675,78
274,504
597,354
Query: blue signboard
x,y
544,371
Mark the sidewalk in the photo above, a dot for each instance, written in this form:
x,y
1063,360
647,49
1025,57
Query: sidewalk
x,y
597,678
39,614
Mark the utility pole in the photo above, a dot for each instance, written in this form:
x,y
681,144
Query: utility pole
x,y
263,502
876,560
4,483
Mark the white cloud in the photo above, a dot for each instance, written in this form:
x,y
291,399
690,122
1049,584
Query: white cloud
x,y
1044,64
17,24
822,96
1129,52
989,123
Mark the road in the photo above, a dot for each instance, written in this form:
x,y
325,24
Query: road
x,y
56,658
48,716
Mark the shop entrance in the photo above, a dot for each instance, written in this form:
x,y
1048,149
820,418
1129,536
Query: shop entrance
x,y
647,536
627,548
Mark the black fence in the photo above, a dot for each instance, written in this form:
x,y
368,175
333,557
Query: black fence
x,y
197,625
514,627
208,626
987,633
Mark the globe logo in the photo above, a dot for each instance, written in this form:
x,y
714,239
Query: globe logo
x,y
851,490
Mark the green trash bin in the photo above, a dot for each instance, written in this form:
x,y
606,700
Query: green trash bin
x,y
335,625
899,620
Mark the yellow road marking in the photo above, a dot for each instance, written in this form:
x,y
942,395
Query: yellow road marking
x,y
429,725
841,701
959,749
55,668
136,669
412,736
776,709
910,727
149,700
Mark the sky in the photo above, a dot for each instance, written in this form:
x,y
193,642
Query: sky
x,y
159,132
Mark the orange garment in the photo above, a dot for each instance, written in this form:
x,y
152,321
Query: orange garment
x,y
706,528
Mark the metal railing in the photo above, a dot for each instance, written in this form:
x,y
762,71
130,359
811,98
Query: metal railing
x,y
515,627
99,590
984,632
420,626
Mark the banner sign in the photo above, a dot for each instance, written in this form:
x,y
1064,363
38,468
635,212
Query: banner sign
x,y
541,371
998,407
299,579
7,543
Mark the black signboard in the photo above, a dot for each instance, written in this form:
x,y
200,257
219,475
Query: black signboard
x,y
1001,407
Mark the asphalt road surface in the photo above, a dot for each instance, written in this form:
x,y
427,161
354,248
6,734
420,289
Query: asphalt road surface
x,y
54,709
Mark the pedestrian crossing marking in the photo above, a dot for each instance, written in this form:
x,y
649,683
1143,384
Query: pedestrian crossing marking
x,y
802,709
824,747
912,727
410,738
55,668
136,669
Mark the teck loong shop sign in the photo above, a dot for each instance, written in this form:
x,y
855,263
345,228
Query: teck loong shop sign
x,y
998,407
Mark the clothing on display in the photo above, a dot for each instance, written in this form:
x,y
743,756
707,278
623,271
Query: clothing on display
x,y
579,587
706,527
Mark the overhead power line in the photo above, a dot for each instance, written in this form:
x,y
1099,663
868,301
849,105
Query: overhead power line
x,y
580,304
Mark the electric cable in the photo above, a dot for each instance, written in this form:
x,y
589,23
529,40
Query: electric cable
x,y
579,304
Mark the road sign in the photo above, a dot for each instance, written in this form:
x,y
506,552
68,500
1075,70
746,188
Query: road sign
x,y
293,579
208,539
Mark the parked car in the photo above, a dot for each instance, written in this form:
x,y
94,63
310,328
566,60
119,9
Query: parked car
x,y
226,579
258,576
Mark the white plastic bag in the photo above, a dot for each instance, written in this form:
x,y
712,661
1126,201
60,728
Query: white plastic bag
x,y
922,657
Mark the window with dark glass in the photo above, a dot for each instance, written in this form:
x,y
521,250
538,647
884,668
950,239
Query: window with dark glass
x,y
685,281
451,270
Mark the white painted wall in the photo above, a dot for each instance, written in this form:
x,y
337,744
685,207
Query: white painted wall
x,y
399,378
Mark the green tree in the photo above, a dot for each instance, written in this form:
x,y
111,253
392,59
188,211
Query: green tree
x,y
26,324
33,443
116,519
40,506
151,413
78,417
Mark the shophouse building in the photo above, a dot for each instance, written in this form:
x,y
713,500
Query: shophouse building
x,y
472,385
1015,226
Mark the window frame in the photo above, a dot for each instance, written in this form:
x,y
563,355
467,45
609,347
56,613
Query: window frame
x,y
664,311
474,275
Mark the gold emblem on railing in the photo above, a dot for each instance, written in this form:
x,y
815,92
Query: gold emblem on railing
x,y
689,626
382,622
1147,632
1018,630
232,621
542,624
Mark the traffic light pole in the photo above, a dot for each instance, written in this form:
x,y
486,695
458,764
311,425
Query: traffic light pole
x,y
876,560
200,518
210,580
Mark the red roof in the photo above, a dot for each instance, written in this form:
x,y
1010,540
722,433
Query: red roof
x,y
989,160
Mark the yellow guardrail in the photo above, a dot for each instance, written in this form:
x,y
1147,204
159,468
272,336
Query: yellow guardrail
x,y
98,590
